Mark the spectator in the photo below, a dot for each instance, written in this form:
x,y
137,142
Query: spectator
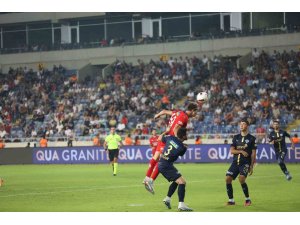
x,y
295,139
3,132
70,136
198,140
165,102
2,143
128,140
96,140
137,140
260,134
43,142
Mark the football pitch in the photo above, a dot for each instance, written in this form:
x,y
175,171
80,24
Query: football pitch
x,y
92,188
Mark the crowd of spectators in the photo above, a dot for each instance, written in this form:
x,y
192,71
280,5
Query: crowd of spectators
x,y
47,102
266,89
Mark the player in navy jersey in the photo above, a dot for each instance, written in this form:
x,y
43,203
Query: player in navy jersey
x,y
243,148
277,138
173,149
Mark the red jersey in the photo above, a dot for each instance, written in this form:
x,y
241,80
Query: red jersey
x,y
153,143
177,117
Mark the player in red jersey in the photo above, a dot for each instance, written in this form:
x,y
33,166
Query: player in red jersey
x,y
153,141
178,119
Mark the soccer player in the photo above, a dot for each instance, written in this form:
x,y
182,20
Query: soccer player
x,y
277,138
178,119
112,143
153,141
243,148
173,149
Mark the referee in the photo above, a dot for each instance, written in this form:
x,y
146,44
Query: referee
x,y
112,143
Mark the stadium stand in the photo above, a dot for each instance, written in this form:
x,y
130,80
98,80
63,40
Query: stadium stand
x,y
34,103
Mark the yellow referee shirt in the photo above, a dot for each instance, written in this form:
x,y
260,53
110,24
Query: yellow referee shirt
x,y
112,141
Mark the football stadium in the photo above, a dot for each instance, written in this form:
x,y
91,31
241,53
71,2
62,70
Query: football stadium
x,y
86,99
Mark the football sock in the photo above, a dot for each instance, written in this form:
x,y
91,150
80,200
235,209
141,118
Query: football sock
x,y
172,189
167,198
155,172
245,189
112,164
229,190
152,164
181,192
115,168
283,167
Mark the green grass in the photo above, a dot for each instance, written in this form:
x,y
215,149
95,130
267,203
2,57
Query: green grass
x,y
92,188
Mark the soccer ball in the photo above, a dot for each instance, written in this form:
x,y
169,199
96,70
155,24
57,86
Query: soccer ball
x,y
202,96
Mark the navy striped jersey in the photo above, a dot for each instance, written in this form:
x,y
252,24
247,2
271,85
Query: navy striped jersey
x,y
173,149
279,140
246,143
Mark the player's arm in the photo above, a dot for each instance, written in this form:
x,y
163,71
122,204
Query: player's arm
x,y
184,148
270,140
253,158
234,151
163,112
120,142
292,143
105,145
163,133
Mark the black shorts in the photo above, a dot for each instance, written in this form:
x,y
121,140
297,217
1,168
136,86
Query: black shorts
x,y
235,169
113,153
280,156
168,171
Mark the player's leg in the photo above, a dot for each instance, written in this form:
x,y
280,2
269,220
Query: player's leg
x,y
153,162
155,172
231,174
111,158
152,171
172,188
159,150
181,194
115,162
148,181
280,159
244,169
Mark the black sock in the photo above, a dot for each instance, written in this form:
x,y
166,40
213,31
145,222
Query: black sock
x,y
229,191
181,192
172,189
245,189
283,167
